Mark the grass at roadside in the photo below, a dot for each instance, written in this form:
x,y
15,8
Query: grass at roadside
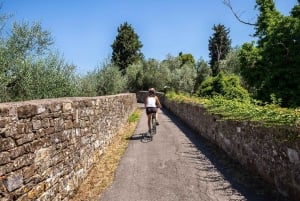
x,y
102,175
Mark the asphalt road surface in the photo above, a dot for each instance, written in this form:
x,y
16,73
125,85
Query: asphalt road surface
x,y
179,165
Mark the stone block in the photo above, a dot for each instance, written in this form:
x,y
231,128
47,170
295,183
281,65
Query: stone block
x,y
45,123
26,111
36,124
17,151
293,156
37,191
6,168
28,173
67,107
68,124
6,144
41,109
4,111
22,161
4,158
21,128
14,181
49,130
25,138
3,122
55,107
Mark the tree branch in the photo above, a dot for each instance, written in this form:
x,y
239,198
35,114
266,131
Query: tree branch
x,y
228,4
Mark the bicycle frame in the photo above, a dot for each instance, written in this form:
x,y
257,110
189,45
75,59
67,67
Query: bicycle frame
x,y
153,124
152,130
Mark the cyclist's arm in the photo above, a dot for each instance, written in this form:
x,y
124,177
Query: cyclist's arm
x,y
157,102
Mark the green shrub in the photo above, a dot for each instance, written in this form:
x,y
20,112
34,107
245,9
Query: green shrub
x,y
250,110
225,85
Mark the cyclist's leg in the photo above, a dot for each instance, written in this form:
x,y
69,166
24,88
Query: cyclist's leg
x,y
156,117
154,123
149,121
148,113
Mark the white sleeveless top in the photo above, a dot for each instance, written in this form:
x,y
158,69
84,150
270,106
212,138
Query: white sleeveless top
x,y
151,102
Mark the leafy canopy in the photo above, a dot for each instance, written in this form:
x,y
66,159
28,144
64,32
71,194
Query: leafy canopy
x,y
273,66
126,47
219,46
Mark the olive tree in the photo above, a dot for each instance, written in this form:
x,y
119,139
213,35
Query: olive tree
x,y
110,80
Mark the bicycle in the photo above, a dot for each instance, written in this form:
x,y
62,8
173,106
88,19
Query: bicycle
x,y
152,131
153,124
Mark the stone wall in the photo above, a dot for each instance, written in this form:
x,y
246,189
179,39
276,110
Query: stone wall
x,y
47,146
273,152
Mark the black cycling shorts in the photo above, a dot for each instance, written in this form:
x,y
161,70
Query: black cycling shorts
x,y
150,110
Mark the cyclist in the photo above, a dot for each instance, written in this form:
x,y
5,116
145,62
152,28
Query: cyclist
x,y
151,104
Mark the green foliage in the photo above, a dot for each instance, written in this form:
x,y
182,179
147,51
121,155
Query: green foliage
x,y
126,47
267,19
248,110
134,117
186,58
223,85
110,80
169,73
135,77
272,67
146,74
283,74
28,69
87,84
178,76
163,76
28,40
251,71
231,64
203,71
183,79
219,45
269,114
151,74
180,97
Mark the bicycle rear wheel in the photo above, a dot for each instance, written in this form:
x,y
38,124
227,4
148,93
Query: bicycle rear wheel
x,y
153,123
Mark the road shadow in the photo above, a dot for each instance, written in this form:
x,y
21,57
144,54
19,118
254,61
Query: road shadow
x,y
143,137
244,181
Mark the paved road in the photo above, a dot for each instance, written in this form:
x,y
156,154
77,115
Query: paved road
x,y
178,165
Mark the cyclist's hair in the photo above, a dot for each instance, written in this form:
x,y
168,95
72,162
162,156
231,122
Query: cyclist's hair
x,y
151,91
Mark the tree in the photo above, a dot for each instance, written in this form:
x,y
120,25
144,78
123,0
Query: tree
x,y
186,58
29,69
126,47
181,77
219,46
272,66
151,72
231,63
251,69
135,76
203,71
87,84
110,80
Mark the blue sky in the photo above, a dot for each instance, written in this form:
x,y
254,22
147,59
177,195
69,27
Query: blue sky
x,y
83,30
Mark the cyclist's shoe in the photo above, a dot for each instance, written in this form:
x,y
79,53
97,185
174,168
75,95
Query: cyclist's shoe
x,y
157,123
